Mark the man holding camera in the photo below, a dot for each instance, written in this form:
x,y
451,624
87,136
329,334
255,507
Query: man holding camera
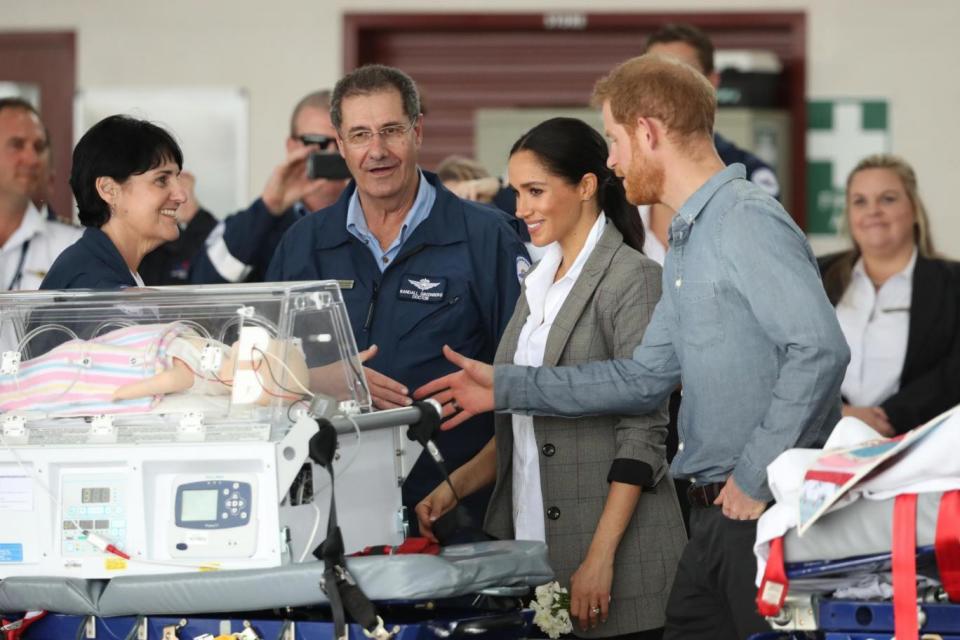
x,y
239,249
419,267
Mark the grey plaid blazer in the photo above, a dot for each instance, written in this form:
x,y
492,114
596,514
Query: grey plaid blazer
x,y
603,317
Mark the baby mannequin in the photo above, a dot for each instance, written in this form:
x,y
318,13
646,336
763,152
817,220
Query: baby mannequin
x,y
131,369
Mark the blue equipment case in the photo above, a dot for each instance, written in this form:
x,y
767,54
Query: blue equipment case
x,y
872,620
866,620
442,624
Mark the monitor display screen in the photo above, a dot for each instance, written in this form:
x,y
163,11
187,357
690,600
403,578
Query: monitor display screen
x,y
199,505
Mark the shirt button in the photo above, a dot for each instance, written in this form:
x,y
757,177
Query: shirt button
x,y
678,282
548,449
386,260
553,513
680,447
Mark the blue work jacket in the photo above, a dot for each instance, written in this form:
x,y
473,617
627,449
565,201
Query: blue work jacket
x,y
92,262
758,171
455,282
250,237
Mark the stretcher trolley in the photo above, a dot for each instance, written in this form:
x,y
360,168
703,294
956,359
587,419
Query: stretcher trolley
x,y
171,461
864,541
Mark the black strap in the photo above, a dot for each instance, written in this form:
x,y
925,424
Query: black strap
x,y
18,274
424,431
456,526
341,589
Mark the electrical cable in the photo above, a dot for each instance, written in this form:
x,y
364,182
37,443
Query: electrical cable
x,y
313,533
264,360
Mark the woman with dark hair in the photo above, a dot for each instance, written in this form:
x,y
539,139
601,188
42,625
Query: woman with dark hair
x,y
576,484
898,303
126,181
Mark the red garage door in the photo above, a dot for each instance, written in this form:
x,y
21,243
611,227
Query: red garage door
x,y
463,62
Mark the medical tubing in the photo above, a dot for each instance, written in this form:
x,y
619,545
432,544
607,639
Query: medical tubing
x,y
41,329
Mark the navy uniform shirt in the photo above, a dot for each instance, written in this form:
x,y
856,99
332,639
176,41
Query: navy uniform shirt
x,y
240,248
92,262
455,281
758,171
170,262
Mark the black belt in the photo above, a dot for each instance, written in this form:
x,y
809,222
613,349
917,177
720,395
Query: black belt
x,y
704,494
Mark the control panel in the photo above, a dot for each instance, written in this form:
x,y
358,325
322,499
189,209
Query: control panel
x,y
213,517
213,504
95,503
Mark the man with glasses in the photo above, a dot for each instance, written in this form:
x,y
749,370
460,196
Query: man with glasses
x,y
239,249
420,267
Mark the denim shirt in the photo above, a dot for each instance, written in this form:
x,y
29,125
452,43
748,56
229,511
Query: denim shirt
x,y
357,223
743,323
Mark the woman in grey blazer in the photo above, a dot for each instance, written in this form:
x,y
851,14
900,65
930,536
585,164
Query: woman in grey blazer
x,y
577,484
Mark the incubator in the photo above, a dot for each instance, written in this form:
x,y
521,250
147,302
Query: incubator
x,y
166,430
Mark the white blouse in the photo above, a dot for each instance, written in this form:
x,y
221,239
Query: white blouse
x,y
545,298
876,324
652,247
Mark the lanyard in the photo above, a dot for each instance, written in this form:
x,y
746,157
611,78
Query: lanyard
x,y
18,274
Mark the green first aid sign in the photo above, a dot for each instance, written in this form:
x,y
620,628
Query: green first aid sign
x,y
840,133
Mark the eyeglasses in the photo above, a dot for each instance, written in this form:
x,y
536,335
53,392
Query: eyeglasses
x,y
317,140
392,134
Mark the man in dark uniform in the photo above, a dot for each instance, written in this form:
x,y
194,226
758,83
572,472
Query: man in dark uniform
x,y
420,267
691,45
240,248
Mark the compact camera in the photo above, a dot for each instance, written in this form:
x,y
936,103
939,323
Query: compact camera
x,y
324,165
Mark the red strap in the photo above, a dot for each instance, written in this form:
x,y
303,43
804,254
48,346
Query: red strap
x,y
409,546
904,560
418,545
947,543
28,619
774,586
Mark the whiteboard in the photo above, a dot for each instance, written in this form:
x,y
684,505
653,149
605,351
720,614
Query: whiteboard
x,y
211,125
27,91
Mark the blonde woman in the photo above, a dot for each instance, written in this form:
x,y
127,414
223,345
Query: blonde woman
x,y
897,302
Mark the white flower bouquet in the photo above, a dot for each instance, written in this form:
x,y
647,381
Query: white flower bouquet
x,y
551,609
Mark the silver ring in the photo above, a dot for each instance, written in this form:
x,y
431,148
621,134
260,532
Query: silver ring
x,y
595,611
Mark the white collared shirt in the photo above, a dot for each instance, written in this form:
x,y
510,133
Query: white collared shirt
x,y
46,240
876,324
545,299
652,247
